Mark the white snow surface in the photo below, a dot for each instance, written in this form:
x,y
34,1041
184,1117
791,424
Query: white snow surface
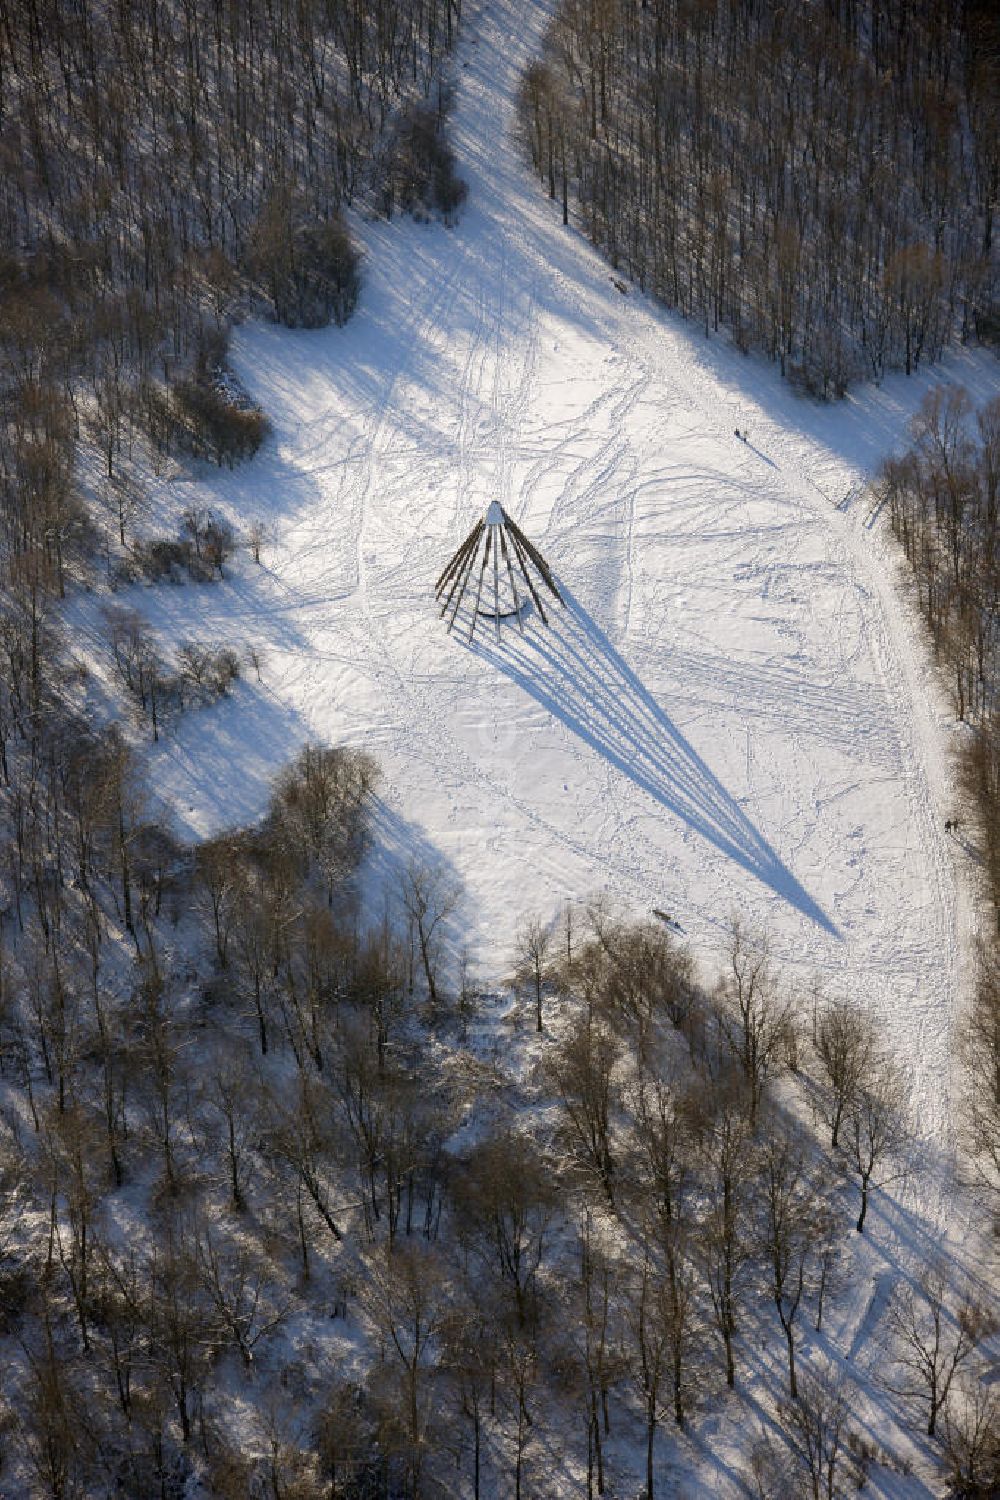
x,y
734,712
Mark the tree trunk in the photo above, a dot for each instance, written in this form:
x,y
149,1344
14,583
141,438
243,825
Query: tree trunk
x,y
727,1339
793,1388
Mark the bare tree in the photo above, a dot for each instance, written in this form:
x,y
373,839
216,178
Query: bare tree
x,y
239,1285
816,1424
755,1020
125,498
507,1201
652,1348
320,810
161,1058
219,872
534,945
405,1299
666,1132
647,975
981,1048
120,1301
933,1342
256,537
378,982
971,1437
588,1355
138,662
581,1070
520,1369
55,1429
346,1439
302,1134
430,899
724,1238
231,1093
176,1317
879,1132
846,1048
790,1201
253,934
75,1190
469,1342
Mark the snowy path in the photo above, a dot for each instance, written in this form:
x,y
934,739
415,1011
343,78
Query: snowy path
x,y
735,710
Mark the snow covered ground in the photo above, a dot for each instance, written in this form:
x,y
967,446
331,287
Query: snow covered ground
x,y
734,711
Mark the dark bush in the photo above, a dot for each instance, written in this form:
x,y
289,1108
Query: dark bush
x,y
161,559
327,274
223,671
828,368
320,810
988,326
308,269
200,552
212,425
212,542
204,674
421,177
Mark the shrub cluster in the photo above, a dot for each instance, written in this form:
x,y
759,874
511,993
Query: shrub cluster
x,y
421,178
199,553
201,675
210,424
306,269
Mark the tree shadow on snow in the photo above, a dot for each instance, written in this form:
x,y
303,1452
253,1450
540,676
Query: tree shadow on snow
x,y
397,849
574,672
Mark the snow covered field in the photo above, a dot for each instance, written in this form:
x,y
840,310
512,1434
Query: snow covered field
x,y
735,710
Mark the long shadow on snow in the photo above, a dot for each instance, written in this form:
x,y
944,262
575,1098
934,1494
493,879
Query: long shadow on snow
x,y
575,672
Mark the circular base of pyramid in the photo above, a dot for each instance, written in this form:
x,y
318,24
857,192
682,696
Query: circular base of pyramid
x,y
503,614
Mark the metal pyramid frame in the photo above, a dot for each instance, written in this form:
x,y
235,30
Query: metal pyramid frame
x,y
494,535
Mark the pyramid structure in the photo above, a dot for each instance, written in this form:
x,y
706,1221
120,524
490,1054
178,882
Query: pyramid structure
x,y
494,556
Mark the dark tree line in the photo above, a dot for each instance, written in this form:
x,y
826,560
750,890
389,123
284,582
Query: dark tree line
x,y
154,152
821,180
941,497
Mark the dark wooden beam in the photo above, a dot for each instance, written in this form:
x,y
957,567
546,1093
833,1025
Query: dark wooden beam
x,y
461,583
459,557
479,590
527,577
536,557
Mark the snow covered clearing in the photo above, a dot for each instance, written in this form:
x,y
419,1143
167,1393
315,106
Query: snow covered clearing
x,y
735,710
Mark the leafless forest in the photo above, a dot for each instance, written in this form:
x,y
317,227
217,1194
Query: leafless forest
x,y
942,497
166,166
246,1124
819,179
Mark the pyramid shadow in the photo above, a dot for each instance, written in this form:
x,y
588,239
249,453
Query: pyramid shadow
x,y
574,671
